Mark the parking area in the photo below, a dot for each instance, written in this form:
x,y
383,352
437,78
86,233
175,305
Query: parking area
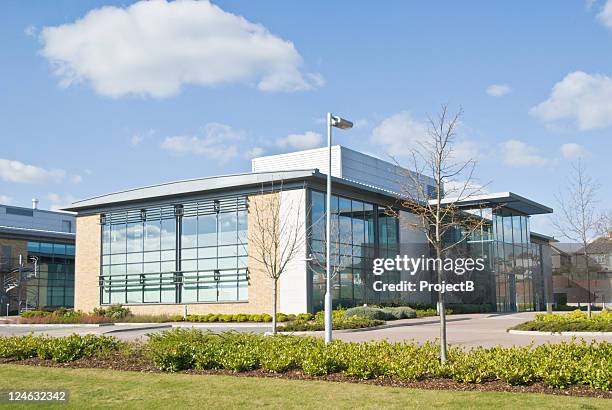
x,y
464,330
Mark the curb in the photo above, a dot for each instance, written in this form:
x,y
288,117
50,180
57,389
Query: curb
x,y
131,328
539,333
56,325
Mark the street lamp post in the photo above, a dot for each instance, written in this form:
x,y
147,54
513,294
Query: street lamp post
x,y
332,121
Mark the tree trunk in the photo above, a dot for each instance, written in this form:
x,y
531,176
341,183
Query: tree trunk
x,y
586,262
442,313
274,307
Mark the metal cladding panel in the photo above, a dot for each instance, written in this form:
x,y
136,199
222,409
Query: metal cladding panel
x,y
309,159
346,164
43,220
373,171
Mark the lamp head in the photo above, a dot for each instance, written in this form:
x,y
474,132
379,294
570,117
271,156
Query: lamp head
x,y
341,123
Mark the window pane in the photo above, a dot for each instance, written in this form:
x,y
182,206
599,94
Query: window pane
x,y
227,228
134,237
190,232
207,230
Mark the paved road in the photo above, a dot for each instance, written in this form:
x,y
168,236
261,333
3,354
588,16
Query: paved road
x,y
464,330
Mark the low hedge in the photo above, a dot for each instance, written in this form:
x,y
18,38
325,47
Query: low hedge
x,y
340,320
556,365
576,321
58,349
243,317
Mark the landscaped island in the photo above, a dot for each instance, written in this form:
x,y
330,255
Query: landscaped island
x,y
576,321
549,365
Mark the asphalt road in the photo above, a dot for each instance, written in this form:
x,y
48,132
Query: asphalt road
x,y
465,330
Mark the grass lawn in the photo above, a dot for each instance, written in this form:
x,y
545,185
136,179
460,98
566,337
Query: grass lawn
x,y
115,389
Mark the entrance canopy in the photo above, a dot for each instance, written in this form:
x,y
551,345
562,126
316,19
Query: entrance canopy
x,y
508,200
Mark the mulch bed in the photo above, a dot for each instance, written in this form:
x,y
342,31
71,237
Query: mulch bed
x,y
138,363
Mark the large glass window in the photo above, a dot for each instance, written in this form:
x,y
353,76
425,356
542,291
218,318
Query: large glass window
x,y
514,262
52,285
354,227
139,253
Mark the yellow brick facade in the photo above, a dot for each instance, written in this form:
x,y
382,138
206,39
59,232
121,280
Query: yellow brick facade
x,y
87,270
87,263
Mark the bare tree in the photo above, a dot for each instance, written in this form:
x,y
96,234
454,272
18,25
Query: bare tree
x,y
438,213
277,233
578,219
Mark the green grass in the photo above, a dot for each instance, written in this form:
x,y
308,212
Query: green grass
x,y
114,389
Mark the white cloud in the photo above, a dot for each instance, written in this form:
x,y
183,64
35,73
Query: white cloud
x,y
572,150
136,140
60,201
466,150
5,199
76,179
400,134
361,123
519,154
605,15
463,188
16,171
307,140
585,99
254,153
153,48
30,30
218,142
498,90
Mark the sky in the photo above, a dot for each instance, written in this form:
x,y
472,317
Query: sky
x,y
102,96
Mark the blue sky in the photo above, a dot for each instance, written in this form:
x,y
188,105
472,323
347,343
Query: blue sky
x,y
117,99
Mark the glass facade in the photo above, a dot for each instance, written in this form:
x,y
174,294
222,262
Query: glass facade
x,y
512,279
518,270
181,253
360,231
53,285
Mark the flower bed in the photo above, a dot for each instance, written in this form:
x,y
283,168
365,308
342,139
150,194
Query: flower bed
x,y
554,365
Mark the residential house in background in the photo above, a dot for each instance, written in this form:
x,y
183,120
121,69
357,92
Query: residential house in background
x,y
570,285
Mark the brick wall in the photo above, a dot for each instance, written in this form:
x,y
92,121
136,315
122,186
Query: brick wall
x,y
87,292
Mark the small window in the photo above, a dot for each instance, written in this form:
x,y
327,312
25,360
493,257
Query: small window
x,y
67,226
19,211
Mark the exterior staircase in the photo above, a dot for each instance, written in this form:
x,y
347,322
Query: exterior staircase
x,y
14,277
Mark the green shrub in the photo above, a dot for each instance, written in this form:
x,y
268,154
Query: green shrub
x,y
115,312
34,313
400,312
20,347
387,313
367,312
304,316
576,321
557,365
73,347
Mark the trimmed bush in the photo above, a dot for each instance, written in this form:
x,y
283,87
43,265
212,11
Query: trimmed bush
x,y
387,313
556,365
368,313
60,349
